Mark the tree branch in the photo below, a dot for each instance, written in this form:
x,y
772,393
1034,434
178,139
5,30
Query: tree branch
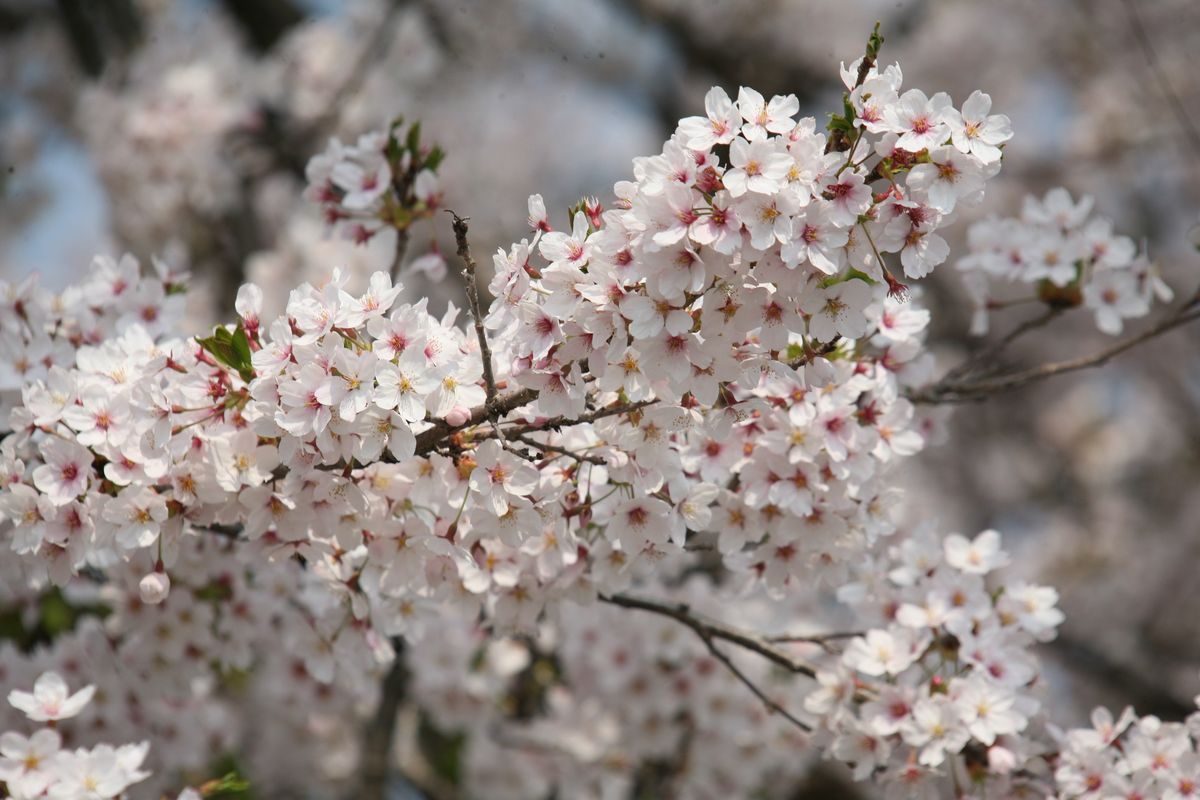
x,y
427,440
1178,108
950,390
822,639
379,734
711,630
472,284
705,627
978,362
398,255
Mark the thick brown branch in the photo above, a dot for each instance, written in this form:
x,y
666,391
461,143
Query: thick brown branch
x,y
554,423
379,734
429,439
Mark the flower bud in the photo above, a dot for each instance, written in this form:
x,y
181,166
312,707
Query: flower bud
x,y
1001,760
458,416
154,588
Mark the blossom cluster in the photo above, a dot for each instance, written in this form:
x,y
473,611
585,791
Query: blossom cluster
x,y
1129,757
949,672
39,766
709,376
236,633
282,429
384,180
1069,257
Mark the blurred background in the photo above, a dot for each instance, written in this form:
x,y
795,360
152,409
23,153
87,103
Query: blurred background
x,y
181,129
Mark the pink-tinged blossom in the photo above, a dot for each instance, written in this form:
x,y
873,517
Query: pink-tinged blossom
x,y
764,118
948,177
977,556
572,249
66,470
837,310
758,166
975,131
719,126
50,699
849,196
499,474
816,239
919,120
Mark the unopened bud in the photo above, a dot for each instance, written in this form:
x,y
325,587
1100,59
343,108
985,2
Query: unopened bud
x,y
458,416
154,588
593,209
1001,760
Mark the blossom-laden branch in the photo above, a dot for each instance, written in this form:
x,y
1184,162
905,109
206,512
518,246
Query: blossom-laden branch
x,y
352,443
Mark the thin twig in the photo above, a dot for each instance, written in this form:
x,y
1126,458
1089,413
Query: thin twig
x,y
709,631
430,438
1190,131
561,451
398,257
950,391
822,639
767,700
715,630
554,423
824,350
470,278
979,362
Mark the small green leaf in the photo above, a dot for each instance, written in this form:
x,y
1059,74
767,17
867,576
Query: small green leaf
x,y
229,786
414,138
837,122
874,43
241,348
230,348
435,158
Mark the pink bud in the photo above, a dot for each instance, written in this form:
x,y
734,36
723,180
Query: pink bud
x,y
154,588
458,416
1001,760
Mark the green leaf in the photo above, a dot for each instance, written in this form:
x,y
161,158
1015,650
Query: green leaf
x,y
394,149
862,276
414,138
435,158
874,42
837,122
231,786
57,615
241,347
230,348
